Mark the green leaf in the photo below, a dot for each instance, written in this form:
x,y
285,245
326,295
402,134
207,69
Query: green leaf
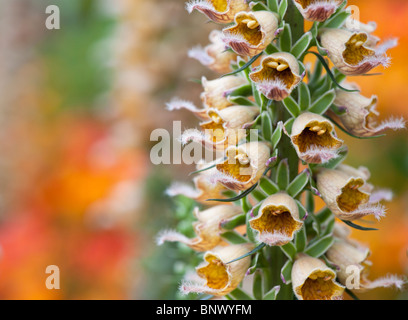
x,y
286,272
273,5
251,213
330,226
245,91
256,94
255,263
355,226
241,101
337,20
266,126
246,65
259,6
271,48
268,186
282,175
302,45
289,250
288,125
321,105
285,38
245,205
298,184
283,6
302,211
319,247
333,163
239,294
292,106
257,287
324,215
272,294
277,135
301,239
304,96
233,237
234,222
258,195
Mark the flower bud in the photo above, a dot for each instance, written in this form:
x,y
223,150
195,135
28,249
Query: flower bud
x,y
222,11
352,260
317,10
350,53
207,228
347,193
277,76
214,95
220,277
313,280
314,138
214,56
252,32
361,116
277,220
243,166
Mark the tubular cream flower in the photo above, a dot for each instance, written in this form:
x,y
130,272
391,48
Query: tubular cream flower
x,y
317,10
215,91
203,188
225,127
252,32
361,116
277,76
354,266
214,56
277,221
347,194
207,228
314,138
222,11
243,166
350,52
218,276
313,280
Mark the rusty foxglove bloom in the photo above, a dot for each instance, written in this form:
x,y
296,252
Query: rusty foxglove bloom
x,y
317,10
224,128
203,188
351,53
243,165
214,56
314,138
353,267
222,11
313,280
207,228
218,277
361,116
277,76
215,91
277,220
348,195
252,32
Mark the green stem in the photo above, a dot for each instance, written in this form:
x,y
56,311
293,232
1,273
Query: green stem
x,y
286,151
295,19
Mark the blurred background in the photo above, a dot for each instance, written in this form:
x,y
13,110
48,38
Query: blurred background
x,y
77,106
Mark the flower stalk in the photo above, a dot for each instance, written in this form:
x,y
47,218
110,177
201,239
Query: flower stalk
x,y
285,116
